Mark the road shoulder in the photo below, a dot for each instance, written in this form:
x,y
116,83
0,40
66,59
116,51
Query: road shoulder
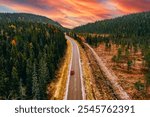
x,y
57,88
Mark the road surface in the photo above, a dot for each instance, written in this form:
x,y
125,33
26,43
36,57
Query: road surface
x,y
75,84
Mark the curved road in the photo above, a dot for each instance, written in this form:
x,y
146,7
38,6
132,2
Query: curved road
x,y
74,89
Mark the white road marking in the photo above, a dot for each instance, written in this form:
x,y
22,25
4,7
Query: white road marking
x,y
68,80
81,76
82,84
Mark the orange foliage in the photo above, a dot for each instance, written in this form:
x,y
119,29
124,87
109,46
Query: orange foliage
x,y
13,42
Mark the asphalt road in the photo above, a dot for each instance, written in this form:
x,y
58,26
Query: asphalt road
x,y
74,91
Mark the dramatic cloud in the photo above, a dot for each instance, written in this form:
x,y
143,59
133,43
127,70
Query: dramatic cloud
x,y
71,13
132,6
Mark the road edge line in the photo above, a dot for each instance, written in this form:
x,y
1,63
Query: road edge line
x,y
68,80
81,74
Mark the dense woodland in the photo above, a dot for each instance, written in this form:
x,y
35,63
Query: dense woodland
x,y
129,25
129,33
29,56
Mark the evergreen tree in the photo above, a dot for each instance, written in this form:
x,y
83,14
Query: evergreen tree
x,y
43,77
29,79
4,83
129,65
119,56
147,59
15,83
35,84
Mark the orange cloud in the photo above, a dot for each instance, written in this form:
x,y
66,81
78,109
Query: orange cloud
x,y
71,13
132,6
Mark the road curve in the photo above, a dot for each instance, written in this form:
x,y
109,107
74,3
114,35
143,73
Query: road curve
x,y
74,89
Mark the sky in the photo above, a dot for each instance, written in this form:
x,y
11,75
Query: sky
x,y
72,13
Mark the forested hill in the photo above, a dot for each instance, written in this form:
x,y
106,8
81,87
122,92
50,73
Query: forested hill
x,y
30,54
25,17
130,25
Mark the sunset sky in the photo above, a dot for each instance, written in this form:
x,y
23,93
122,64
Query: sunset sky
x,y
71,13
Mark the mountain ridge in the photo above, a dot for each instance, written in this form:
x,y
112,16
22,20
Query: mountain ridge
x,y
137,24
27,17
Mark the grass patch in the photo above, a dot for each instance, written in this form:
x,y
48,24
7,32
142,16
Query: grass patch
x,y
57,88
87,75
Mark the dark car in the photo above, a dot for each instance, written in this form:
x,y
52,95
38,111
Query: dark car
x,y
72,72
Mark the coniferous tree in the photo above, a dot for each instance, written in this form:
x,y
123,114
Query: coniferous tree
x,y
147,59
129,65
44,77
35,84
15,83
